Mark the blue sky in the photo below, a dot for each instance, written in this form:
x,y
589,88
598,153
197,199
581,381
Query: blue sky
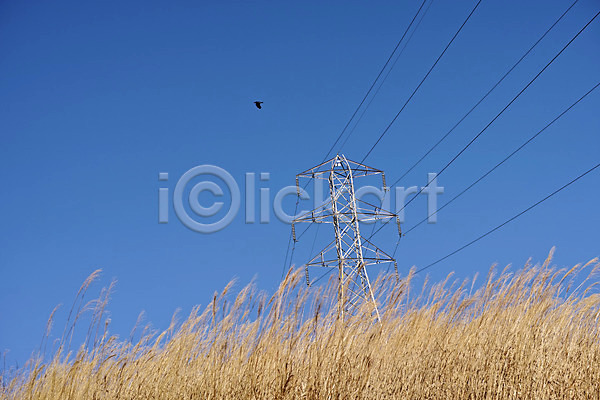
x,y
98,98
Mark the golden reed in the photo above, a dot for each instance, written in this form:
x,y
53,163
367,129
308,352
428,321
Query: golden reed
x,y
532,334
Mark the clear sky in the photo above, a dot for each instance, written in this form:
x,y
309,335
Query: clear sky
x,y
98,98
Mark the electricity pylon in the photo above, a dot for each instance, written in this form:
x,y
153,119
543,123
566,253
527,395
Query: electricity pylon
x,y
349,252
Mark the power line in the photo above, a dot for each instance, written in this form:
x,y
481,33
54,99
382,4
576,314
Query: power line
x,y
505,159
509,220
491,122
386,75
475,138
285,262
500,113
406,103
497,227
374,82
303,232
321,277
486,95
480,101
421,83
287,252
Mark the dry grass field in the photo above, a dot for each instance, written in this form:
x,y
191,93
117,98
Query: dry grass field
x,y
529,334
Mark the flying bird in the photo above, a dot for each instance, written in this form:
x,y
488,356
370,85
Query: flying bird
x,y
258,104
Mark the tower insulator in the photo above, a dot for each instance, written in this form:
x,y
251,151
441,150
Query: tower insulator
x,y
307,278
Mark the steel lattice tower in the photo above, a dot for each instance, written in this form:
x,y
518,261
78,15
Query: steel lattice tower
x,y
349,252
